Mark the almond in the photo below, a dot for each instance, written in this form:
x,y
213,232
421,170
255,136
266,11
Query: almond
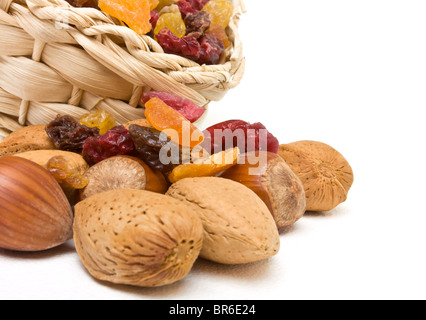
x,y
238,227
137,237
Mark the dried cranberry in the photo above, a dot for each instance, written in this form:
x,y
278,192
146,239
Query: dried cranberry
x,y
243,134
186,107
196,24
155,15
68,135
211,49
187,47
185,8
198,4
115,142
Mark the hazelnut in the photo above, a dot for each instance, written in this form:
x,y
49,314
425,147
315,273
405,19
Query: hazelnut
x,y
35,215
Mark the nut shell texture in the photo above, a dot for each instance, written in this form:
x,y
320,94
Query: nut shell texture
x,y
137,237
238,227
35,215
326,175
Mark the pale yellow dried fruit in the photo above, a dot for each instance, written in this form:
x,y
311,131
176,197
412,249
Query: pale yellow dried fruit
x,y
326,175
238,227
137,237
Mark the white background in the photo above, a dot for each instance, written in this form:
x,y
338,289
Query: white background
x,y
348,73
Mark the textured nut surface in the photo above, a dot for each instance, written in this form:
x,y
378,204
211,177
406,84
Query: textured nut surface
x,y
137,237
326,175
238,227
26,139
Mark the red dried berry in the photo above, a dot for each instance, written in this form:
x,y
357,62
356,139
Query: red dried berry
x,y
185,107
155,15
115,142
238,133
198,4
187,47
185,8
211,49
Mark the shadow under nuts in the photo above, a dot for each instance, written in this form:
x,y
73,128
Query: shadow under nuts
x,y
137,237
238,227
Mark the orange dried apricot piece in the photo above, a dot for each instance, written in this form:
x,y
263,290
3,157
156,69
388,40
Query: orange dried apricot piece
x,y
215,164
135,13
179,129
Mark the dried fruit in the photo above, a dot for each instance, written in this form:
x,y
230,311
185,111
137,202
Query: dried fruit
x,y
326,175
68,135
268,175
135,13
238,225
84,3
197,4
184,106
197,24
115,142
220,11
210,167
165,3
63,171
34,213
179,129
155,15
122,172
99,119
185,8
187,47
26,139
137,237
219,32
173,22
211,49
237,133
148,143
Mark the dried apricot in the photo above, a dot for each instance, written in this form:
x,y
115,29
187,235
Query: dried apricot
x,y
179,129
134,13
215,164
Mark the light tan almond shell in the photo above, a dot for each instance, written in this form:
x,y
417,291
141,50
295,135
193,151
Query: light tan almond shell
x,y
26,139
42,157
238,227
326,175
137,237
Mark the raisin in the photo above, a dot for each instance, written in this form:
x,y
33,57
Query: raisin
x,y
197,24
211,49
185,8
238,133
148,143
185,107
187,47
172,21
163,117
220,11
64,173
115,142
99,119
68,135
165,3
219,32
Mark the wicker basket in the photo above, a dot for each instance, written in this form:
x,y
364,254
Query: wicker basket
x,y
56,59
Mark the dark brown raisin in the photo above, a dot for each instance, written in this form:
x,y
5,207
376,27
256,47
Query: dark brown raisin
x,y
197,24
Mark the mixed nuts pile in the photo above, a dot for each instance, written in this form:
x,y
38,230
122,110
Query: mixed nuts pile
x,y
138,220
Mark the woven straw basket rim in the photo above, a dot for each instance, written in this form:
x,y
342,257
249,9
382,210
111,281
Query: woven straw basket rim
x,y
57,59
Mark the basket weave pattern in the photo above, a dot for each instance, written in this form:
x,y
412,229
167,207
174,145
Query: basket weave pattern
x,y
56,59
